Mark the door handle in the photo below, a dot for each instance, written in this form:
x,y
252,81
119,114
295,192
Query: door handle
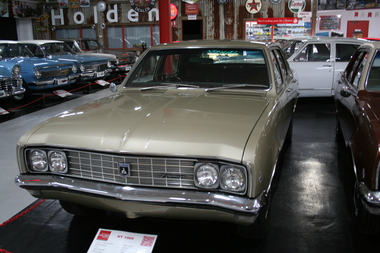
x,y
327,65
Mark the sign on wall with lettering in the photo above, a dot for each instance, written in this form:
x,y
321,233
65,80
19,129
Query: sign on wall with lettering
x,y
142,6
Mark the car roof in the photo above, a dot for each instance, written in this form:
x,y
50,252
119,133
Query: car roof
x,y
9,41
214,43
325,38
41,41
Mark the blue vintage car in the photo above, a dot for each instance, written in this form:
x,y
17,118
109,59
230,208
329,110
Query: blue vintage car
x,y
37,74
91,68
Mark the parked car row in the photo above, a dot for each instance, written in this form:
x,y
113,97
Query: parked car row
x,y
45,65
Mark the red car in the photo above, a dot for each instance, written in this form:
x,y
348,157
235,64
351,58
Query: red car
x,y
357,101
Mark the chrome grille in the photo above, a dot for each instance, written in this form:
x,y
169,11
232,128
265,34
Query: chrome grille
x,y
7,84
54,73
95,67
144,171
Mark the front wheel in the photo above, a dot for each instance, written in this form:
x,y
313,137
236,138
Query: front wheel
x,y
259,229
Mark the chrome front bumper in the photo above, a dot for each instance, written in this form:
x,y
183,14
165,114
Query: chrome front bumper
x,y
371,199
56,81
244,209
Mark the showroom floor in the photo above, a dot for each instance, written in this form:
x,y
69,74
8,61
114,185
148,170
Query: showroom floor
x,y
311,208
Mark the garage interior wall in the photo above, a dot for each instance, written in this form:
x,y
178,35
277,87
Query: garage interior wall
x,y
24,28
371,15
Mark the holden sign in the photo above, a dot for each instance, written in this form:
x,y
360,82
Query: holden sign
x,y
296,5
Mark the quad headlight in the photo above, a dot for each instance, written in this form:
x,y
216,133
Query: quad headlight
x,y
227,177
37,73
41,160
74,68
82,68
16,70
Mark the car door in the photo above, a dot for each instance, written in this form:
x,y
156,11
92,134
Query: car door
x,y
314,67
286,89
346,97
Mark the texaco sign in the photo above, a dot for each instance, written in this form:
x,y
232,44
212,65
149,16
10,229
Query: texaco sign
x,y
253,6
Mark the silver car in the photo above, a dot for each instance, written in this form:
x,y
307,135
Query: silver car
x,y
194,132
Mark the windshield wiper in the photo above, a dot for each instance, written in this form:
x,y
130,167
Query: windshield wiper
x,y
171,86
233,86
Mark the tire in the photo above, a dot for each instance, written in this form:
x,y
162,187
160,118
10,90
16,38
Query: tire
x,y
259,229
77,209
364,222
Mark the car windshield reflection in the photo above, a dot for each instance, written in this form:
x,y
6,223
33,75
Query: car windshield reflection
x,y
203,68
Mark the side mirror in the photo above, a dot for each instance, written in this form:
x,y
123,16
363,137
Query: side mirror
x,y
113,87
346,92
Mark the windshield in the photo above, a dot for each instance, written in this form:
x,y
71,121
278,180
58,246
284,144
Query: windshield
x,y
290,47
8,51
373,83
204,68
50,49
86,45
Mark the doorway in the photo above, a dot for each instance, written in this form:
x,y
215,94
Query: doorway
x,y
192,29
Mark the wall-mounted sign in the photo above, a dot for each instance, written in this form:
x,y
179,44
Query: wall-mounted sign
x,y
253,6
271,21
329,22
142,6
222,2
190,1
296,5
275,1
173,11
191,9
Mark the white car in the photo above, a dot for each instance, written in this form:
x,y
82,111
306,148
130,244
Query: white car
x,y
317,62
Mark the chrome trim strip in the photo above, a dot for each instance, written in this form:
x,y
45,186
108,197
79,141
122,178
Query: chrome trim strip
x,y
229,203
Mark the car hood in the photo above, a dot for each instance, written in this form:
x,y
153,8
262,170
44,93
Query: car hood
x,y
190,123
78,58
111,54
28,63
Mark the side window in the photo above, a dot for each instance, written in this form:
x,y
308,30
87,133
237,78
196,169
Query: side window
x,y
358,74
314,53
353,65
277,71
345,51
373,82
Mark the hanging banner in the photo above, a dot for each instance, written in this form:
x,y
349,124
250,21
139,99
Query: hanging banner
x,y
271,21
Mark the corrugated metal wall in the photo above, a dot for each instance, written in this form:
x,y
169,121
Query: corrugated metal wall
x,y
219,21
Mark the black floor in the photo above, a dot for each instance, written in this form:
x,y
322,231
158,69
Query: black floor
x,y
311,208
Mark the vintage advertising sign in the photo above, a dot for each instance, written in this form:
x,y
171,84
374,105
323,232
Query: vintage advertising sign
x,y
271,21
253,6
296,5
191,9
142,6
